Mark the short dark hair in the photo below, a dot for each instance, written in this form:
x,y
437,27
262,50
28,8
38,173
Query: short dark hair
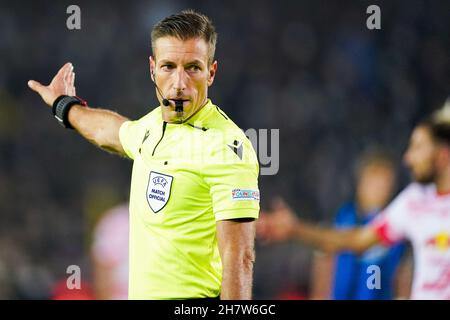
x,y
439,124
186,25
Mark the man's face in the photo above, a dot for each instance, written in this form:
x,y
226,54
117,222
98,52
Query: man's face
x,y
181,71
421,154
375,185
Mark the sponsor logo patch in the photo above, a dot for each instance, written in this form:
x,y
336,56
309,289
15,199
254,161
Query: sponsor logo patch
x,y
244,194
158,190
440,241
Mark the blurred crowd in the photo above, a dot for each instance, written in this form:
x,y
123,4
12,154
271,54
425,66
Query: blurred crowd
x,y
309,68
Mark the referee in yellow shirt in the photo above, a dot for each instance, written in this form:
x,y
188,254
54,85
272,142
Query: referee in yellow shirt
x,y
194,188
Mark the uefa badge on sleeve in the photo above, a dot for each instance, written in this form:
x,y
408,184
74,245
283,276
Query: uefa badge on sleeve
x,y
158,190
244,194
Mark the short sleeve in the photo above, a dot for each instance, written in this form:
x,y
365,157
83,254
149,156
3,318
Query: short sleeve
x,y
391,224
133,133
128,132
233,182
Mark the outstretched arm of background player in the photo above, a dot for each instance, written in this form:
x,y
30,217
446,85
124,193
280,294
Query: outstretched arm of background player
x,y
99,126
283,225
236,240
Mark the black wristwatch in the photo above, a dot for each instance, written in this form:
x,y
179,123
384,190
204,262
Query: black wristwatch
x,y
61,108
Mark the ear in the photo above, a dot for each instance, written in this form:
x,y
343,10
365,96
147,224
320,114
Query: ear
x,y
152,64
445,154
212,73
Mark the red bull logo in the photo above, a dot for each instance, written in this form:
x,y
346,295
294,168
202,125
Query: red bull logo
x,y
441,241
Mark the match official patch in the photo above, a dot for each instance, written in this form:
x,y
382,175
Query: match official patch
x,y
158,190
244,194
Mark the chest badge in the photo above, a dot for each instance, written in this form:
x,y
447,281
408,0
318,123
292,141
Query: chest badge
x,y
158,190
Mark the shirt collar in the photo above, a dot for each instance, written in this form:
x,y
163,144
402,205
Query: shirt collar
x,y
199,118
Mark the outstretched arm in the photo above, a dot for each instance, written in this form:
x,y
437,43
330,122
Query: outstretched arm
x,y
284,225
99,126
331,240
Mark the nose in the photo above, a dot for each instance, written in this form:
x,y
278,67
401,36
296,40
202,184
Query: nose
x,y
179,84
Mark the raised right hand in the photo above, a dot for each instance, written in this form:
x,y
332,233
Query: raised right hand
x,y
62,84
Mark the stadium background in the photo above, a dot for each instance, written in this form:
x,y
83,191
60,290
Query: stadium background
x,y
310,68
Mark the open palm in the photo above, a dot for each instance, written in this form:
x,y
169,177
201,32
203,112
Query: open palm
x,y
63,83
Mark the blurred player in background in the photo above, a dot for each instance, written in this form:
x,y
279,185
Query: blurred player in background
x,y
420,213
344,276
110,254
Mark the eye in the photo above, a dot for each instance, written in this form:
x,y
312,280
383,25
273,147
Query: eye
x,y
194,67
167,67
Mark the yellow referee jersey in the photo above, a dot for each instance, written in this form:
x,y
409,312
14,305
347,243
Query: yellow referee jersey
x,y
185,178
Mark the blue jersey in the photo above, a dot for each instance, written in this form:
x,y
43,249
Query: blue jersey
x,y
351,270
